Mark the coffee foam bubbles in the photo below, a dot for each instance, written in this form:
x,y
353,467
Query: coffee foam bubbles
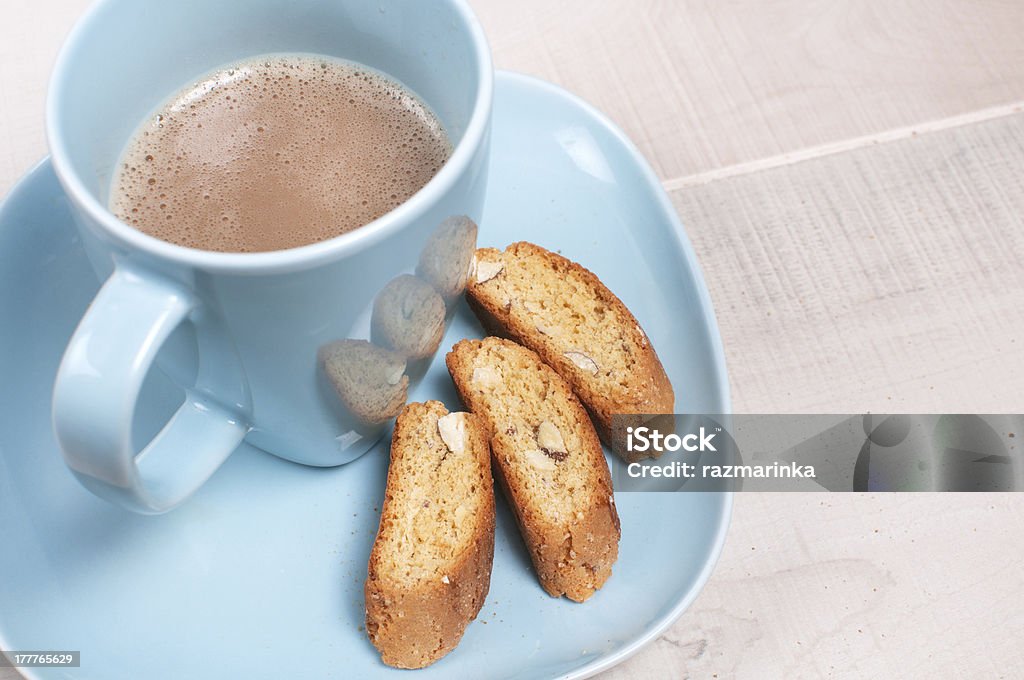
x,y
275,153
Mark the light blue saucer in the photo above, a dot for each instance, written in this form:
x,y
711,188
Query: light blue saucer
x,y
260,575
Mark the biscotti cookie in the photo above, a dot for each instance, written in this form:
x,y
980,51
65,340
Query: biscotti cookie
x,y
370,381
578,327
445,260
548,460
430,567
408,317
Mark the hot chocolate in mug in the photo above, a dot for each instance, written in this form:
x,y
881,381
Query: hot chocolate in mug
x,y
306,353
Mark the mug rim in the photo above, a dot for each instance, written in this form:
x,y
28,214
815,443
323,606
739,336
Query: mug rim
x,y
288,259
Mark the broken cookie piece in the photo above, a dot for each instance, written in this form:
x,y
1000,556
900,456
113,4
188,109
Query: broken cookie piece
x,y
370,381
446,259
408,317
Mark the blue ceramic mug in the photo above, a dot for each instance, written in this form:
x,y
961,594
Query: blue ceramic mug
x,y
280,348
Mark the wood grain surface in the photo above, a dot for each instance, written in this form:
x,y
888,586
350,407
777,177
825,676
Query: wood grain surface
x,y
852,176
887,278
703,85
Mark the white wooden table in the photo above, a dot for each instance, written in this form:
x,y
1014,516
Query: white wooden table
x,y
852,176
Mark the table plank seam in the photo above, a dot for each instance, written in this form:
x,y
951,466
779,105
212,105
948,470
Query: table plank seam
x,y
851,144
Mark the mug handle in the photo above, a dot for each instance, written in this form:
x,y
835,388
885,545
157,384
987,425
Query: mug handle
x,y
97,388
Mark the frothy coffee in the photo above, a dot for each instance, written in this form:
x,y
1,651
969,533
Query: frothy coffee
x,y
277,152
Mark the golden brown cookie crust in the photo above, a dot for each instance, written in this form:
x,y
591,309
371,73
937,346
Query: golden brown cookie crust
x,y
564,313
560,493
418,607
